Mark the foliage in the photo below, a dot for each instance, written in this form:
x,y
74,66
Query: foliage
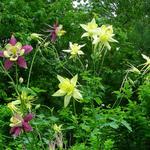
x,y
104,79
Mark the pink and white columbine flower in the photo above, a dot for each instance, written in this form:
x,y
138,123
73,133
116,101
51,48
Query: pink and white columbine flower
x,y
19,124
56,30
14,52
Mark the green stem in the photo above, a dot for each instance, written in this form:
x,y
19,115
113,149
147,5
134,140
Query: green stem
x,y
38,48
74,107
16,76
102,61
81,63
29,76
5,71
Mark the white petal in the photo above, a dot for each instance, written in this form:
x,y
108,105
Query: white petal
x,y
77,94
74,80
107,45
84,26
93,20
61,79
67,100
7,54
85,35
59,93
82,45
80,53
67,51
145,57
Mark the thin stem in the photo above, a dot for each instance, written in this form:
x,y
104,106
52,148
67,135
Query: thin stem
x,y
38,48
13,82
16,76
74,107
29,76
81,63
102,60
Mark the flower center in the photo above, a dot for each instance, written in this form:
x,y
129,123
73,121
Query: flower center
x,y
67,87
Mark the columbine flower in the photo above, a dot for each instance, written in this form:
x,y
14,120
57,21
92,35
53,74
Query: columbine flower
x,y
68,89
56,30
104,36
74,50
90,28
14,52
133,69
27,96
57,128
147,63
36,36
13,106
19,124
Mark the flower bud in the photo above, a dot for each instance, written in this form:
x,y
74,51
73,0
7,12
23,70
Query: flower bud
x,y
20,80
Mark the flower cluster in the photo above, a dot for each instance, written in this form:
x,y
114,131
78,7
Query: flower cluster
x,y
100,35
19,107
14,52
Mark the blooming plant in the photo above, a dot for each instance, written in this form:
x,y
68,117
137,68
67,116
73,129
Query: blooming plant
x,y
20,124
75,50
103,36
56,31
14,52
68,89
90,28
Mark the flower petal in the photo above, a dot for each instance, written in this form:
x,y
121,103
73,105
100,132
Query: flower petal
x,y
28,117
59,93
15,131
74,80
1,53
61,79
77,94
8,64
85,34
53,36
67,100
13,40
67,51
21,62
26,127
27,48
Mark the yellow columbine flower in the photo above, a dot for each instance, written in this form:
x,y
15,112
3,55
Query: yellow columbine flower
x,y
147,63
90,28
57,128
104,36
67,88
12,106
36,36
74,50
147,59
133,69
